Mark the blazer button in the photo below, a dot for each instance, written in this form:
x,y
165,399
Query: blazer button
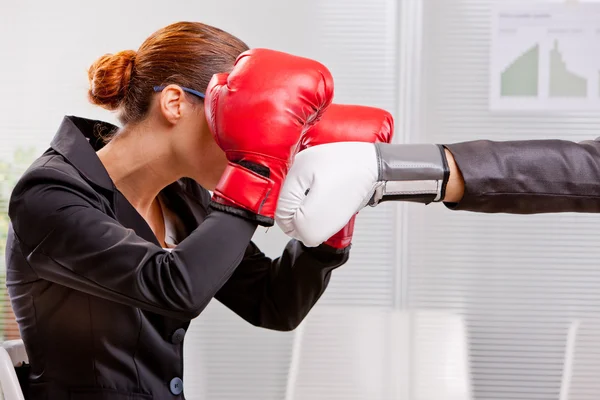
x,y
176,386
178,336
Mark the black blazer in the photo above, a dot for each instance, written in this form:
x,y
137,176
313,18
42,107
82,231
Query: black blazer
x,y
102,308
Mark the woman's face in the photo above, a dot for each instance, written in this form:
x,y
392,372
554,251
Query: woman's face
x,y
195,147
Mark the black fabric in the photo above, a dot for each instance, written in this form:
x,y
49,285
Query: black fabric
x,y
529,177
98,300
23,377
242,213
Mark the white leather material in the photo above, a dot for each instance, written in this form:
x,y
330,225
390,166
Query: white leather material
x,y
325,187
412,187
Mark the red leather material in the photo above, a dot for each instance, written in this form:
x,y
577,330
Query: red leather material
x,y
343,238
258,114
243,188
349,123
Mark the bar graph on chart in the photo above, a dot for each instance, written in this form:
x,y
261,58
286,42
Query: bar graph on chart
x,y
546,57
520,79
564,83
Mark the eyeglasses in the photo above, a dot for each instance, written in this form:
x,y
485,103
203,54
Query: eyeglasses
x,y
190,91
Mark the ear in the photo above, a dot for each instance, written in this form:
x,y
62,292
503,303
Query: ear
x,y
171,102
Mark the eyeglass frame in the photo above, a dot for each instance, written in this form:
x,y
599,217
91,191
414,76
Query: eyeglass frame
x,y
187,90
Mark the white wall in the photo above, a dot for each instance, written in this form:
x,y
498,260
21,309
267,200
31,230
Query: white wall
x,y
47,47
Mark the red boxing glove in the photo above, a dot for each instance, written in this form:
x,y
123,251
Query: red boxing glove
x,y
348,123
258,114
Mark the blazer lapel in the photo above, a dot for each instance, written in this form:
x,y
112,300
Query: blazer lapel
x,y
128,216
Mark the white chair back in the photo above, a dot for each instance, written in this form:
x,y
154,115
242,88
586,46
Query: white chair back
x,y
367,354
12,354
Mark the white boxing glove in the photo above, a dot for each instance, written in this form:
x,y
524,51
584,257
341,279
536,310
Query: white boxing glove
x,y
325,187
328,184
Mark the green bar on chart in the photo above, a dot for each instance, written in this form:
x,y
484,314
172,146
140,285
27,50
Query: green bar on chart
x,y
564,83
520,79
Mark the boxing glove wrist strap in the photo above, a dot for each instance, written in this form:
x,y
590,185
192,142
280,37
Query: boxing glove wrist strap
x,y
243,191
413,172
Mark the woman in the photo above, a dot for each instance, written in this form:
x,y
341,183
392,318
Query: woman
x,y
115,242
520,177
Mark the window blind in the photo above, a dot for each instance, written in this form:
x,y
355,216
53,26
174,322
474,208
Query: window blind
x,y
519,281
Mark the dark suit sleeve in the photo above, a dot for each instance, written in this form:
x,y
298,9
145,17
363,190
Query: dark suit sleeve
x,y
529,177
278,294
68,240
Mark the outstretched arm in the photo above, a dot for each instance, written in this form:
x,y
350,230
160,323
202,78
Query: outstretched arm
x,y
335,181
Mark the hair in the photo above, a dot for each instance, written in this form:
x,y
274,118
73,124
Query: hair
x,y
187,54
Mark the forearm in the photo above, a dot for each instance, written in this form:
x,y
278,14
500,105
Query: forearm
x,y
278,294
525,177
301,277
518,177
110,262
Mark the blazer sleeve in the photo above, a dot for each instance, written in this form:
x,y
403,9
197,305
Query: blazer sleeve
x,y
278,294
529,177
66,238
